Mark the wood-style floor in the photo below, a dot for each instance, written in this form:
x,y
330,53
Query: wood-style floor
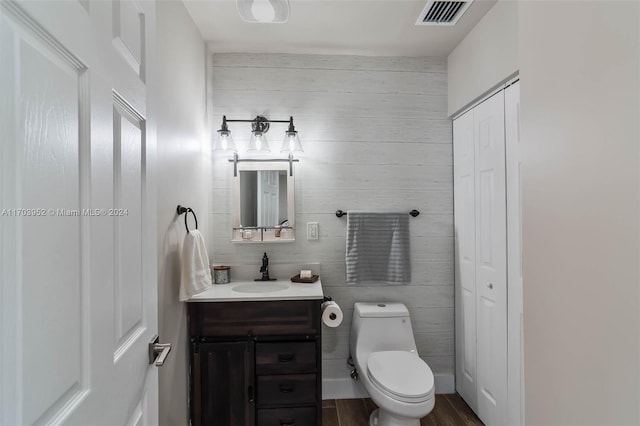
x,y
450,410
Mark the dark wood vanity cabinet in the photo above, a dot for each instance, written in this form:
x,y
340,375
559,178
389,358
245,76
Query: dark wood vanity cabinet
x,y
255,363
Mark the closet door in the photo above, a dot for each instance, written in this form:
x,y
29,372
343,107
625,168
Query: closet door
x,y
491,279
514,247
465,257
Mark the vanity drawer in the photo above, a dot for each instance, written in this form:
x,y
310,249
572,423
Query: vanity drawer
x,y
303,416
287,389
273,318
286,358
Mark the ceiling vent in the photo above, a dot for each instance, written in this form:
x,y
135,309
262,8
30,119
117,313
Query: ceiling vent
x,y
437,12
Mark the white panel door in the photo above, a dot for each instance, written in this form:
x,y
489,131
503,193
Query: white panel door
x,y
78,301
491,280
465,257
514,256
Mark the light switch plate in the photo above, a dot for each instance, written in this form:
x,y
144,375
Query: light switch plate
x,y
312,230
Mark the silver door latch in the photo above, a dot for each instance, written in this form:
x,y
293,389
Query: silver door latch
x,y
158,351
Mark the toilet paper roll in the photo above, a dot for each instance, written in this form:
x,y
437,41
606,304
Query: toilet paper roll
x,y
331,314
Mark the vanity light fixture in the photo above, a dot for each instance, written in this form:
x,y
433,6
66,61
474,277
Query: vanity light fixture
x,y
258,142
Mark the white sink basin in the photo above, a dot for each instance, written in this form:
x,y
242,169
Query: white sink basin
x,y
261,287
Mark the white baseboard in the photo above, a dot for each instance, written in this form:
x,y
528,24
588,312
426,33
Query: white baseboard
x,y
346,388
445,383
343,388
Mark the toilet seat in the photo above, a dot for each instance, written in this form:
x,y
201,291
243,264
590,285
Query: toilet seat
x,y
401,375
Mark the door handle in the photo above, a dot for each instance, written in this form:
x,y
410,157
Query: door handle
x,y
158,351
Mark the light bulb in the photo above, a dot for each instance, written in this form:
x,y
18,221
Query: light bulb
x,y
291,142
224,141
258,142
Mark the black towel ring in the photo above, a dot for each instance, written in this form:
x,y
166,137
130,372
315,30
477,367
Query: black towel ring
x,y
186,211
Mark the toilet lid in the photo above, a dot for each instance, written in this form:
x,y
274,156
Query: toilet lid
x,y
401,373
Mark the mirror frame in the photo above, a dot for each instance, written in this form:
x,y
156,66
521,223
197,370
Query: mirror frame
x,y
257,165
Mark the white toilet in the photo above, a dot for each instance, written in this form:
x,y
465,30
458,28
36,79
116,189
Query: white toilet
x,y
385,355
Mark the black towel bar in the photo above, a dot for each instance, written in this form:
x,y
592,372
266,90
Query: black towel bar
x,y
340,213
186,210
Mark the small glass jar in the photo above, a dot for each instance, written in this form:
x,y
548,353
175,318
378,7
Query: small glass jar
x,y
221,274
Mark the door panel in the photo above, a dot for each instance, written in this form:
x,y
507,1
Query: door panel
x,y
227,390
469,323
465,255
43,272
128,34
78,300
486,323
485,200
128,131
491,280
140,414
514,247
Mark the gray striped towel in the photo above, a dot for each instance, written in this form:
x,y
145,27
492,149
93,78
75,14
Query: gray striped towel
x,y
378,248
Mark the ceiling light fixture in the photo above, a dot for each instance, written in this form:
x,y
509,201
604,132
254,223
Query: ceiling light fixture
x,y
263,11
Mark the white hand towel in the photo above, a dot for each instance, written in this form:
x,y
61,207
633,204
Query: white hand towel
x,y
196,275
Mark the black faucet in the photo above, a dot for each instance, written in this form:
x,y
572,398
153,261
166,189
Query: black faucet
x,y
265,270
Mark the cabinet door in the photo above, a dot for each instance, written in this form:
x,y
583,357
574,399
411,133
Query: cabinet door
x,y
224,391
465,257
491,260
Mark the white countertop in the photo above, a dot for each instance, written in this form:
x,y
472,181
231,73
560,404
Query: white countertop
x,y
294,291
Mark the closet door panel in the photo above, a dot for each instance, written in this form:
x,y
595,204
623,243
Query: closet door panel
x,y
465,254
491,282
514,259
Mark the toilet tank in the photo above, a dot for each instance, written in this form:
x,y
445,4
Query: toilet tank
x,y
381,310
382,326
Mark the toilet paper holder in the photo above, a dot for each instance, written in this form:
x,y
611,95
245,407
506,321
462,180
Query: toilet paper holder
x,y
332,316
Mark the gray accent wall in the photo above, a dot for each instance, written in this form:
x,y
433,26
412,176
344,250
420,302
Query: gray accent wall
x,y
376,138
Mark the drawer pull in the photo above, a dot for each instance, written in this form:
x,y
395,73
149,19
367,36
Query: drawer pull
x,y
285,357
286,389
287,422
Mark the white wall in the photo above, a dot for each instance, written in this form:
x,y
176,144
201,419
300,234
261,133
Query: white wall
x,y
487,56
184,164
376,137
579,69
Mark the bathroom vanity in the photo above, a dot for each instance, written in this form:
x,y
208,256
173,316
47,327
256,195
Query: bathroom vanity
x,y
255,355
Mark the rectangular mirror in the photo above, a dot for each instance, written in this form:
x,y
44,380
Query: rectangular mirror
x,y
263,203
